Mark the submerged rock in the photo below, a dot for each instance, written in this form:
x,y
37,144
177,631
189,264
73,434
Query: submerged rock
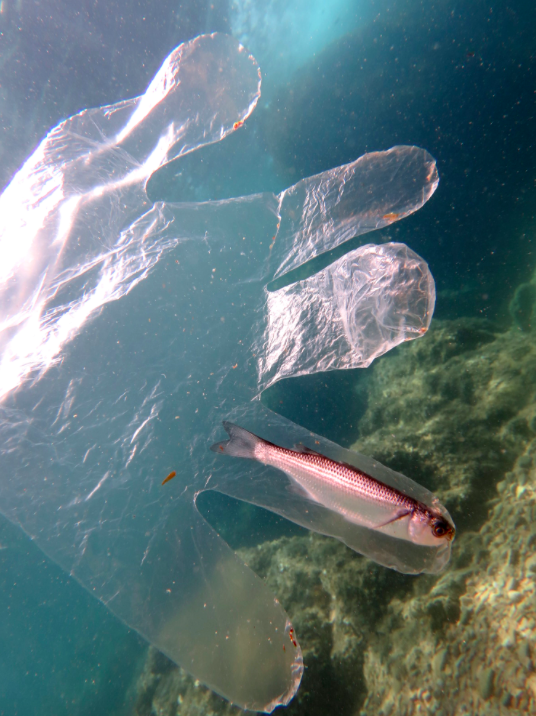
x,y
481,659
455,411
521,306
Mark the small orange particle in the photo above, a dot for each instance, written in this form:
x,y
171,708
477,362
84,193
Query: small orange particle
x,y
169,477
235,366
392,216
236,125
292,639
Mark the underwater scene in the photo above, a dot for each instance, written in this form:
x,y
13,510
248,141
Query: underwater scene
x,y
267,358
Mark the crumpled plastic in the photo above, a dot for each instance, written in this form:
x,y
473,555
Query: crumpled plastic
x,y
129,330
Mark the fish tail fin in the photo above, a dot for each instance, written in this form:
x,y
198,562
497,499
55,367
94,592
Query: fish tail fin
x,y
241,442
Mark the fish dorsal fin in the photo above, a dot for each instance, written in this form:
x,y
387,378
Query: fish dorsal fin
x,y
300,447
355,469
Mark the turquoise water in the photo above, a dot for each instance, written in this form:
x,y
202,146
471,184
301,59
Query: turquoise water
x,y
452,410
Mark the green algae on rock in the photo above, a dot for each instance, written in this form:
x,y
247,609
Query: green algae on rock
x,y
453,410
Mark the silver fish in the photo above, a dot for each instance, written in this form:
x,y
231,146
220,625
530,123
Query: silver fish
x,y
342,488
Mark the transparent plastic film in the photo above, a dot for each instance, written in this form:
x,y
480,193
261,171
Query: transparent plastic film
x,y
129,330
374,191
367,302
87,178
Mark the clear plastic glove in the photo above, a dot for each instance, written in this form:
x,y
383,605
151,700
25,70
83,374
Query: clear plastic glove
x,y
129,330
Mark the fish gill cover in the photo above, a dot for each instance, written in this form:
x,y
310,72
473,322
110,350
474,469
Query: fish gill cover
x,y
129,330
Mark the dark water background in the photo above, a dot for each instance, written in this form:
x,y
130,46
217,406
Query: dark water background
x,y
458,80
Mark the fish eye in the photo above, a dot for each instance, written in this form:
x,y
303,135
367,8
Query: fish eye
x,y
440,528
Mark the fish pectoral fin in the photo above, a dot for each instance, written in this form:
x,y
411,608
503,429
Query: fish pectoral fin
x,y
300,447
301,491
399,516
